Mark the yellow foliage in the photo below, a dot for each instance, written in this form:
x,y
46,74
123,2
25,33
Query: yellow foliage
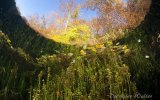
x,y
92,49
126,51
109,43
82,52
124,47
99,46
118,1
80,33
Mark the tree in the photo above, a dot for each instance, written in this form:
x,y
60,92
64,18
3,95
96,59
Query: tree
x,y
20,33
151,23
115,14
21,36
70,11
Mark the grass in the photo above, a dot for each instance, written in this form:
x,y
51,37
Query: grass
x,y
123,65
94,76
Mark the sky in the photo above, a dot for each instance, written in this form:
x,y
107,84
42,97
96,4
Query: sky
x,y
44,7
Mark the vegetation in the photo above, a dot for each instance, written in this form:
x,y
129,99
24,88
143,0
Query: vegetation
x,y
79,59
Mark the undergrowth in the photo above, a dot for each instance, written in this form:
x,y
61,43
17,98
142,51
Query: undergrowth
x,y
114,69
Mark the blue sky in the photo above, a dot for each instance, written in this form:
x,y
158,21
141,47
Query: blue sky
x,y
44,7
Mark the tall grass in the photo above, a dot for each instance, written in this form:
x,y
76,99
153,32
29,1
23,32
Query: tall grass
x,y
122,65
89,77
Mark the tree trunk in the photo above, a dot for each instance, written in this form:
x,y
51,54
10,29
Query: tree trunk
x,y
21,34
151,27
151,23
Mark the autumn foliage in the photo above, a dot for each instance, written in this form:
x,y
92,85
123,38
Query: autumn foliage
x,y
112,15
115,14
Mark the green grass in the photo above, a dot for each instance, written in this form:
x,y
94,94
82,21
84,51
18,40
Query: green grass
x,y
70,75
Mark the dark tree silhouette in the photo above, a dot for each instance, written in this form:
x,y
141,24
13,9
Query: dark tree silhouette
x,y
151,23
15,27
21,34
151,27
